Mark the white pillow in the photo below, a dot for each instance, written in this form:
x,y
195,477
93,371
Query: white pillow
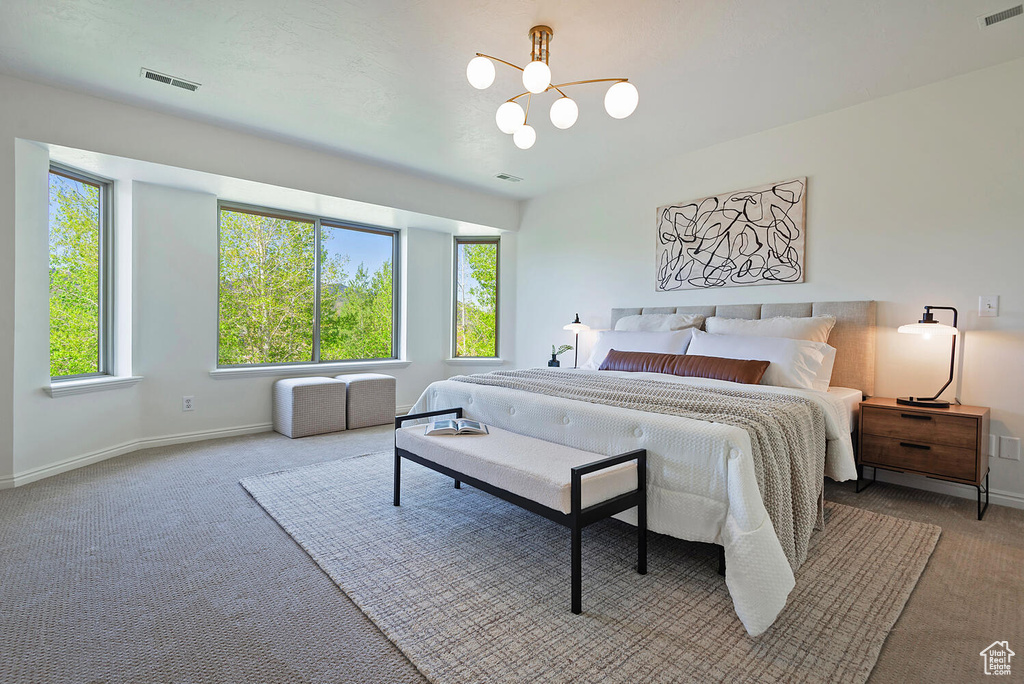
x,y
794,363
659,322
673,342
812,328
824,376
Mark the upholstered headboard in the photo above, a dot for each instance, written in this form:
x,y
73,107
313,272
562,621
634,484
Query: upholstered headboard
x,y
853,337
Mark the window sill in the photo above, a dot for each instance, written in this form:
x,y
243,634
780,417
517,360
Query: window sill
x,y
68,387
306,369
475,361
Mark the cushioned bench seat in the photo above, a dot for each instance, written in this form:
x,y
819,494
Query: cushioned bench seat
x,y
573,488
533,469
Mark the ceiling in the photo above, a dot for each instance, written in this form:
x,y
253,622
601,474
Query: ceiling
x,y
385,80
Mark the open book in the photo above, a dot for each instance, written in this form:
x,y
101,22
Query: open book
x,y
462,426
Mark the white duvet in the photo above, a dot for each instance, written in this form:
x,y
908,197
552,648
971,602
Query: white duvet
x,y
701,482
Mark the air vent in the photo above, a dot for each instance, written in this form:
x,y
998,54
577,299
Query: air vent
x,y
991,19
508,177
169,80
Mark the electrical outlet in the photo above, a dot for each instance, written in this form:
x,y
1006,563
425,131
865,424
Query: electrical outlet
x,y
988,306
1009,448
188,403
993,446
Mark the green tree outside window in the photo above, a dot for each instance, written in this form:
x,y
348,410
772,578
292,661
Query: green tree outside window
x,y
75,295
476,299
268,292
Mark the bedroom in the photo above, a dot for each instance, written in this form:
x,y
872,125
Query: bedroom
x,y
914,174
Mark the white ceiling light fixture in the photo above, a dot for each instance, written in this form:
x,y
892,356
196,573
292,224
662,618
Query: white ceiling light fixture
x,y
480,72
509,117
620,101
564,113
524,137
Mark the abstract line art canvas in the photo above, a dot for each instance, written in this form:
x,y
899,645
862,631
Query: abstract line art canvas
x,y
749,237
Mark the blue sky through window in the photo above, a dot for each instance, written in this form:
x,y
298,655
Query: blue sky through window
x,y
369,249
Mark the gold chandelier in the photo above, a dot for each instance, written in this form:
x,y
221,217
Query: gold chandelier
x,y
619,101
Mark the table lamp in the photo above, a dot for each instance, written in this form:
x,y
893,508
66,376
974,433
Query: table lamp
x,y
577,328
928,326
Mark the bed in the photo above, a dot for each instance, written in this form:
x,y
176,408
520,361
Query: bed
x,y
702,481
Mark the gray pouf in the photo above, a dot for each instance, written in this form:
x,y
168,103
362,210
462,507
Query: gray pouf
x,y
371,399
309,406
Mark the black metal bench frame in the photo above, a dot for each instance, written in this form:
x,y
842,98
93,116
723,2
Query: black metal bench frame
x,y
575,520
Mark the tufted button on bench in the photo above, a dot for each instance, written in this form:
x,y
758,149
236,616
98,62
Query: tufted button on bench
x,y
308,406
571,487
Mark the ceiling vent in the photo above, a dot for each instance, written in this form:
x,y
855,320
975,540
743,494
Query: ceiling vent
x,y
991,19
508,177
169,80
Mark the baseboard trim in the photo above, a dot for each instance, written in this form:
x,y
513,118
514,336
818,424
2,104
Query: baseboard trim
x,y
25,477
1002,498
74,462
217,433
996,496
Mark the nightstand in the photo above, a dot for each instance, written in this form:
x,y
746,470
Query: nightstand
x,y
945,444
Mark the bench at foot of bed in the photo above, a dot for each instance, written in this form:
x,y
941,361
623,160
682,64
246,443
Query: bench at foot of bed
x,y
568,486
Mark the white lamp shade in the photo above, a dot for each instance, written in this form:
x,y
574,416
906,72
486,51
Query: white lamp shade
x,y
576,327
480,72
564,113
928,329
621,99
509,117
524,137
536,77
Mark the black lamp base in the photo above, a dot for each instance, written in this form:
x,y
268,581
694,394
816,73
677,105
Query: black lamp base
x,y
923,403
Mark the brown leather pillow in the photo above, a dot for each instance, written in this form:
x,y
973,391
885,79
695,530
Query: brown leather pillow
x,y
733,370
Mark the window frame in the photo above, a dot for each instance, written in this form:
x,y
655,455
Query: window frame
x,y
476,240
318,223
105,363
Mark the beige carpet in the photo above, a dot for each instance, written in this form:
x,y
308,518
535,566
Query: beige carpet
x,y
474,589
157,568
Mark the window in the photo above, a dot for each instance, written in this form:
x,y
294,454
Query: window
x,y
302,289
476,297
80,274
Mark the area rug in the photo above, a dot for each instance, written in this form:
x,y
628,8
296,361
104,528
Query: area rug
x,y
473,589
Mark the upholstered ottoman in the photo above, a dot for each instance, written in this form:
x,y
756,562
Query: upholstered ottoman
x,y
309,406
371,399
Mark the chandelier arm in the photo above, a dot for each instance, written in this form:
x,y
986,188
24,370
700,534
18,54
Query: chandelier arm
x,y
592,80
551,87
559,86
527,115
480,54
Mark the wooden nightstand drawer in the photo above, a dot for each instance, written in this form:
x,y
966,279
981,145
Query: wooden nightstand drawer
x,y
944,443
906,453
924,428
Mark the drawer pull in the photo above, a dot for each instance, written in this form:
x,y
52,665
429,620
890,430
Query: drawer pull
x,y
915,446
915,416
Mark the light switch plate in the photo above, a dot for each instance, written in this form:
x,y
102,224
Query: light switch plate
x,y
993,446
988,306
1009,448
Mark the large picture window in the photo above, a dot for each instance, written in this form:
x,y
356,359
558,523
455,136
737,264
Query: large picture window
x,y
304,289
476,298
80,245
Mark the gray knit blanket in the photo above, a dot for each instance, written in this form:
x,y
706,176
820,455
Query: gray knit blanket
x,y
787,433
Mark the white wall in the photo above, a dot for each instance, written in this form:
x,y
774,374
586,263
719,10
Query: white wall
x,y
913,199
173,294
175,317
7,180
48,430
